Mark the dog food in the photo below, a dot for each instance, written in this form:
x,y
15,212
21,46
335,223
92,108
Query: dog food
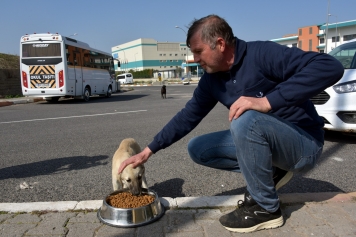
x,y
127,200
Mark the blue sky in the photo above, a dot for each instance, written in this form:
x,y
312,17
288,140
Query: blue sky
x,y
106,23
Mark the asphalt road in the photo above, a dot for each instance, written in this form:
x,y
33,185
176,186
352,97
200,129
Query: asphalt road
x,y
63,151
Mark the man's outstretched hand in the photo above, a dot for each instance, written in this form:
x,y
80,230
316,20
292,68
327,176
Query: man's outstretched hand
x,y
136,160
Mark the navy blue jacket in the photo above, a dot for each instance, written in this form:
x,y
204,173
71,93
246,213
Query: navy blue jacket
x,y
288,77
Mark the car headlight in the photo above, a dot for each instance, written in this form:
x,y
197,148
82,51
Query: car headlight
x,y
346,87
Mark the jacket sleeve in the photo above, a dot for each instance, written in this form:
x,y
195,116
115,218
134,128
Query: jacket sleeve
x,y
187,119
301,75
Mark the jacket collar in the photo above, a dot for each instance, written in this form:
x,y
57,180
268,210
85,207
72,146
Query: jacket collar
x,y
240,49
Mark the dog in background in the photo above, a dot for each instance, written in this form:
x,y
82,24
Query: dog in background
x,y
131,178
163,92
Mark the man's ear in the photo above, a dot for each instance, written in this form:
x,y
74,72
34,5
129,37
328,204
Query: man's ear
x,y
220,44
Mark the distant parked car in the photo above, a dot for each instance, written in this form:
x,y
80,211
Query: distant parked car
x,y
337,104
125,78
186,79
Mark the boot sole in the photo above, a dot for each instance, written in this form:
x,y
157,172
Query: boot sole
x,y
265,225
284,180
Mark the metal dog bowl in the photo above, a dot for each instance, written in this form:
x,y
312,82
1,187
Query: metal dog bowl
x,y
131,217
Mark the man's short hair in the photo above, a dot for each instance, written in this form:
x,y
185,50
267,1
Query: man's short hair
x,y
211,27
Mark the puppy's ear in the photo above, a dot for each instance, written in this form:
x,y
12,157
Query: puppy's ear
x,y
119,179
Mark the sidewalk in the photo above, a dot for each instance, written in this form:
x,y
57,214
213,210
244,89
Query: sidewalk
x,y
306,214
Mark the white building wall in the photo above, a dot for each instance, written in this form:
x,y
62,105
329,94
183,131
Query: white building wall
x,y
335,29
287,41
341,31
138,53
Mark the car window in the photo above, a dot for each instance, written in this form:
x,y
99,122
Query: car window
x,y
346,55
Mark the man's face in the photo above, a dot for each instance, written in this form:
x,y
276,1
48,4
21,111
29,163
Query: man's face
x,y
209,59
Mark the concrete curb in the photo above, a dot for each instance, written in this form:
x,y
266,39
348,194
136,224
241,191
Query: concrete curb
x,y
168,83
180,203
5,103
133,85
22,100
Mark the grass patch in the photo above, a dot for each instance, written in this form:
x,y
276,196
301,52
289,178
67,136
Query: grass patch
x,y
8,61
12,96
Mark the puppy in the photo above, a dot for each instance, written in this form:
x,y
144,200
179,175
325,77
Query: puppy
x,y
131,178
163,92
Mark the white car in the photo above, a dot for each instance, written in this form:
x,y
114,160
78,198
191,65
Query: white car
x,y
125,78
337,104
186,79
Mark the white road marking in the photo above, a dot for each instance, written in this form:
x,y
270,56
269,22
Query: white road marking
x,y
78,116
338,159
183,94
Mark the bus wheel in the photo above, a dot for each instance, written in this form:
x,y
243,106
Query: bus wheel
x,y
86,95
109,92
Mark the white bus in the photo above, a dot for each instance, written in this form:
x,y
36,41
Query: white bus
x,y
54,66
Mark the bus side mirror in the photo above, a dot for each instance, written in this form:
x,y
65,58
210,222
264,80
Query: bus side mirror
x,y
118,64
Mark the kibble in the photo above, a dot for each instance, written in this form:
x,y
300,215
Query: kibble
x,y
127,200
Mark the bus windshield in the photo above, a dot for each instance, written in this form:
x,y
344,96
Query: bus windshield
x,y
41,50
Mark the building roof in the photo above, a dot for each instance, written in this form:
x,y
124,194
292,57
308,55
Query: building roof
x,y
285,39
338,24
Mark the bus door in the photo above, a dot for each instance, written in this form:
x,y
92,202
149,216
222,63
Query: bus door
x,y
78,73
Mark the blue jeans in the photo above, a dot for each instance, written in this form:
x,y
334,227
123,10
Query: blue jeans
x,y
254,145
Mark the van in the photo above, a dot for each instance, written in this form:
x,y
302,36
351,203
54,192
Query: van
x,y
336,105
125,78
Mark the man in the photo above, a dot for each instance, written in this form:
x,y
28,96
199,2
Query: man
x,y
275,129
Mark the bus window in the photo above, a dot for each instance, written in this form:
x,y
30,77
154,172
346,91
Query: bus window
x,y
41,50
86,58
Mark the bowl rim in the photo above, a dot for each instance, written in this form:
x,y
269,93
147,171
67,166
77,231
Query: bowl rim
x,y
106,222
156,202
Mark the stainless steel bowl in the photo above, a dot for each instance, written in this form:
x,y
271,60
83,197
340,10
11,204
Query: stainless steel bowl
x,y
131,217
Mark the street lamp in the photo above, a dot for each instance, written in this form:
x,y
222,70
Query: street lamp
x,y
73,35
135,62
124,55
336,38
326,29
186,61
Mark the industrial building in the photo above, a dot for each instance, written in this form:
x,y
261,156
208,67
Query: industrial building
x,y
174,59
169,58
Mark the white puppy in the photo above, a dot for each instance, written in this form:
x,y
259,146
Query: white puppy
x,y
133,179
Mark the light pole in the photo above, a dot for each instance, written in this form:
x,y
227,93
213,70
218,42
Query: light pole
x,y
326,29
124,56
135,63
186,61
73,34
336,38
